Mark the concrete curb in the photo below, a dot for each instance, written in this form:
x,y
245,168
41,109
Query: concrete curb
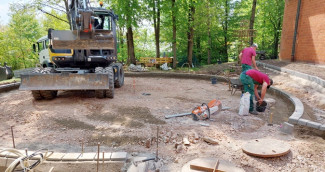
x,y
296,117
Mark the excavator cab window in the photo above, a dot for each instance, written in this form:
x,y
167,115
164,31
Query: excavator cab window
x,y
107,23
103,22
40,46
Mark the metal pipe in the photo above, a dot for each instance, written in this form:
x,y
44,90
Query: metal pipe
x,y
13,138
295,33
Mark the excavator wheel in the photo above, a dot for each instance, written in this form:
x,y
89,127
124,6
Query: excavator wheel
x,y
37,95
48,94
99,93
44,94
110,92
119,82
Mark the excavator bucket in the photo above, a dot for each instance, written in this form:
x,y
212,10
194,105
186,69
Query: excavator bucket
x,y
64,81
73,39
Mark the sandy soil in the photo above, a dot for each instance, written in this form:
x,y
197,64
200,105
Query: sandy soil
x,y
129,121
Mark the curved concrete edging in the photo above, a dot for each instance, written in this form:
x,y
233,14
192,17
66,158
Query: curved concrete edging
x,y
296,117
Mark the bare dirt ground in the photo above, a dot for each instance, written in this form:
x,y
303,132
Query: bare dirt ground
x,y
128,123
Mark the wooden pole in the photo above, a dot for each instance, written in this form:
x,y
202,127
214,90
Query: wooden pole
x,y
157,143
103,161
13,138
26,152
82,147
98,156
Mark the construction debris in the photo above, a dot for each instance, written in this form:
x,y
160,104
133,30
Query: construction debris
x,y
137,68
186,142
210,140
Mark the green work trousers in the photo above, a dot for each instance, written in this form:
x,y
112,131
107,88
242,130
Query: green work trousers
x,y
248,84
245,67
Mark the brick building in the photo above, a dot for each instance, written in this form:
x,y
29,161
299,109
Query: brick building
x,y
310,37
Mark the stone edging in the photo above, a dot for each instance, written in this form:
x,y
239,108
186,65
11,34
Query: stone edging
x,y
296,117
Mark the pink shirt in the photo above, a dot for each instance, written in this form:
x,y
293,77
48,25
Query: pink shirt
x,y
258,76
247,54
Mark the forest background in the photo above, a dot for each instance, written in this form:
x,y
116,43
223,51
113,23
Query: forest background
x,y
197,32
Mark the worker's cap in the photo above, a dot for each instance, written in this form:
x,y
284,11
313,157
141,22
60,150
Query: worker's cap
x,y
254,45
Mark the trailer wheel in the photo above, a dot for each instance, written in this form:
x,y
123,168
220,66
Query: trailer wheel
x,y
119,82
37,95
110,92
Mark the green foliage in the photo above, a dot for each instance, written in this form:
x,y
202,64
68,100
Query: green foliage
x,y
17,38
223,16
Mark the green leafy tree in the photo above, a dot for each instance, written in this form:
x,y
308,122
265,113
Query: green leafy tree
x,y
18,37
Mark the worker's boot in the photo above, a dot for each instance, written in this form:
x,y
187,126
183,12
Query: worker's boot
x,y
253,112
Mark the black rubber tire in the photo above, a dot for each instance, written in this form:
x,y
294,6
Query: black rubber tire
x,y
37,95
100,94
99,70
119,82
110,92
44,94
48,94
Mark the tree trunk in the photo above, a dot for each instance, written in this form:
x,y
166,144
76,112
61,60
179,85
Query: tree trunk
x,y
209,34
276,39
131,46
174,34
156,21
251,23
190,33
226,30
128,49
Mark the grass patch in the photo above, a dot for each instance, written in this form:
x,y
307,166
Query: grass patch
x,y
9,81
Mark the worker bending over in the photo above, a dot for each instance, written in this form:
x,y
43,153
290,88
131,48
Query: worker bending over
x,y
247,57
251,79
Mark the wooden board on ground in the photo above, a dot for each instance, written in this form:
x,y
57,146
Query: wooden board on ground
x,y
266,148
208,165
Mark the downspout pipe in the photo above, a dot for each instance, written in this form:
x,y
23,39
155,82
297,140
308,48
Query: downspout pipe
x,y
295,33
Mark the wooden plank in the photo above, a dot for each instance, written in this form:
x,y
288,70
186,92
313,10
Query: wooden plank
x,y
209,164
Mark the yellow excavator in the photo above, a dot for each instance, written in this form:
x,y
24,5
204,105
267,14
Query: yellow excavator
x,y
84,58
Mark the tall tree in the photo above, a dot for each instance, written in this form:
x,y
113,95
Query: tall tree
x,y
225,28
174,33
156,22
190,32
251,22
130,13
209,32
